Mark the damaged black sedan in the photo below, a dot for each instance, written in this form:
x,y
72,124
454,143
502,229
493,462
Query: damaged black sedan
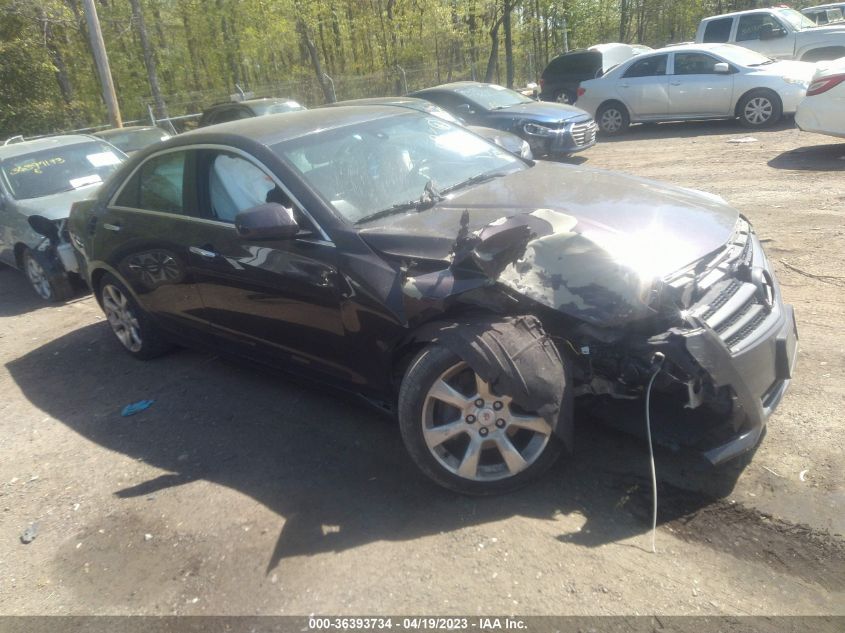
x,y
477,294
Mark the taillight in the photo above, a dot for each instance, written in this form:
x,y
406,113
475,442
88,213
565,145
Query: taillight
x,y
581,91
823,85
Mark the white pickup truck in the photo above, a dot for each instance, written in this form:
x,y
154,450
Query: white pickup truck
x,y
781,33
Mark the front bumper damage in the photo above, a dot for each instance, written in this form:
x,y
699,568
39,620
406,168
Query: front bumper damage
x,y
57,252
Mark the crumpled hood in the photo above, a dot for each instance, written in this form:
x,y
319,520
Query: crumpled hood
x,y
57,206
541,111
587,242
668,226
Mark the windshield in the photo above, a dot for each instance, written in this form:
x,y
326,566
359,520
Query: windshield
x,y
796,19
367,168
134,140
741,56
492,97
58,169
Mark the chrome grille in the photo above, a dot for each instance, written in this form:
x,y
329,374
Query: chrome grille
x,y
584,133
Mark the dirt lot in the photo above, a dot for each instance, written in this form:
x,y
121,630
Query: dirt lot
x,y
241,492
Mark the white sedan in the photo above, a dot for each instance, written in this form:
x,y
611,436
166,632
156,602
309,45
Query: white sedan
x,y
823,110
696,81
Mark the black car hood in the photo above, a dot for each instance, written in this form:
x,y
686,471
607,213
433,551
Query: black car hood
x,y
583,241
540,111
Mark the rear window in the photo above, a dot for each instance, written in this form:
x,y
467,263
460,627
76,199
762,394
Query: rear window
x,y
718,30
581,64
59,169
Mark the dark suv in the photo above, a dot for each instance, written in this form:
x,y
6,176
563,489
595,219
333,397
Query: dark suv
x,y
560,79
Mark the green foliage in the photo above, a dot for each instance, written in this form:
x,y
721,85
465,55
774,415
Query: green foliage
x,y
202,48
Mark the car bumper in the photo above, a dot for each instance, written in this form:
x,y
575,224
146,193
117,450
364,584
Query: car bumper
x,y
791,96
822,115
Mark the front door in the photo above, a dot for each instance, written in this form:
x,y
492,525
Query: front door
x,y
278,299
750,27
695,89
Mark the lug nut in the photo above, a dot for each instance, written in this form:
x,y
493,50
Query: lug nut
x,y
482,431
500,423
479,403
470,419
497,405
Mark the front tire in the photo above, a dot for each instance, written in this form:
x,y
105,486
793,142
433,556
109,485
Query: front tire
x,y
464,436
48,284
612,118
759,109
132,327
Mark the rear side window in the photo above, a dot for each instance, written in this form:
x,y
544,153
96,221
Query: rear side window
x,y
157,185
718,30
649,67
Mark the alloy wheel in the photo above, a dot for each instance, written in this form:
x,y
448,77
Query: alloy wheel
x,y
476,434
122,319
38,278
758,110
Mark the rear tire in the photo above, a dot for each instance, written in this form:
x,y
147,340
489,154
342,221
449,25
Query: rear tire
x,y
612,118
502,449
133,328
48,284
759,109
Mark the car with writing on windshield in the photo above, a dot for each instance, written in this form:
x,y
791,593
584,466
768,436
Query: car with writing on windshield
x,y
551,129
39,181
475,294
696,81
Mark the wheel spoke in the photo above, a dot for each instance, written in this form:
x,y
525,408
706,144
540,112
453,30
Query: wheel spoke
x,y
512,458
469,463
444,392
533,423
483,389
435,436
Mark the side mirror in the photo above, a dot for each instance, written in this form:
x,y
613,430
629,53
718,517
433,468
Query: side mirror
x,y
722,68
45,227
270,221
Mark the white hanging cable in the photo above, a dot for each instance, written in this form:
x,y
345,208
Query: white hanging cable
x,y
658,364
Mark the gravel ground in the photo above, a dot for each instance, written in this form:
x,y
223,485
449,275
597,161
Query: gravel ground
x,y
242,492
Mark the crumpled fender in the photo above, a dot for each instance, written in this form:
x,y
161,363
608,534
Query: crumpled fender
x,y
516,357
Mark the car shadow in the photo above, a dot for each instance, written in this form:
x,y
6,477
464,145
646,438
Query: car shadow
x,y
319,461
812,158
17,297
691,129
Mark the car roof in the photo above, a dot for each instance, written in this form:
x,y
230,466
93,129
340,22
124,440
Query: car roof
x,y
452,86
25,147
126,128
276,128
682,48
250,102
392,101
749,11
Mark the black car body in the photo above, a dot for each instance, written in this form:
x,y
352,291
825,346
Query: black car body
x,y
549,282
563,74
246,109
551,129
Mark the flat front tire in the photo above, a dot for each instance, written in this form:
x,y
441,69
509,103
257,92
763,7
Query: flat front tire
x,y
132,327
49,285
464,436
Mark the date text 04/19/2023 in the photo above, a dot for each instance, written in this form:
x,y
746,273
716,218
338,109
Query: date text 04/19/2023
x,y
422,623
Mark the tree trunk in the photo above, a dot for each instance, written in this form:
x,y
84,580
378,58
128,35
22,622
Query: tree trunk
x,y
325,86
493,59
57,58
149,59
509,5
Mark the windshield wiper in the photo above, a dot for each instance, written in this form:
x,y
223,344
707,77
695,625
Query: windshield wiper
x,y
474,180
430,196
765,63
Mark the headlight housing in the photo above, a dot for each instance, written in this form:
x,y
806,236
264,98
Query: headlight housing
x,y
535,129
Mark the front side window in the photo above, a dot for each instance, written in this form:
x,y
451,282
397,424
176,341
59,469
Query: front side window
x,y
654,66
694,64
367,168
718,31
157,185
750,26
236,184
64,168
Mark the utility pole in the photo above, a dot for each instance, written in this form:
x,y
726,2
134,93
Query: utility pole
x,y
98,47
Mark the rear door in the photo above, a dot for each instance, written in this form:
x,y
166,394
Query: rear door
x,y
144,235
644,87
277,299
695,89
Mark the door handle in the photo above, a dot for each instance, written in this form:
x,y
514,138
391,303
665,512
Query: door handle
x,y
675,83
112,227
196,250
